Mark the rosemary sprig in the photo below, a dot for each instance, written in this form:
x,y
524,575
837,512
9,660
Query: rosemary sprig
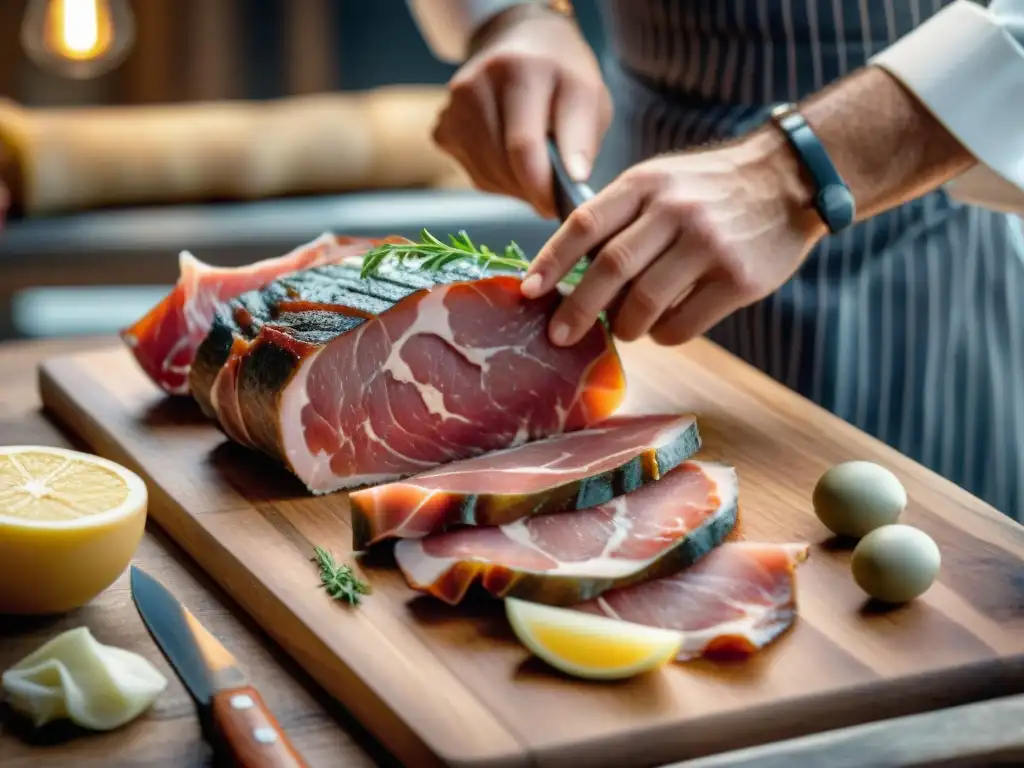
x,y
340,581
432,254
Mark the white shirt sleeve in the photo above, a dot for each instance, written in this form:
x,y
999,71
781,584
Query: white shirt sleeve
x,y
448,25
966,65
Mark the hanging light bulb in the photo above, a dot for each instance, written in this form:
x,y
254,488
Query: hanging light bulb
x,y
78,38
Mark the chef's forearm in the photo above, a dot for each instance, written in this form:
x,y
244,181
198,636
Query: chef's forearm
x,y
947,110
884,142
942,106
448,26
965,65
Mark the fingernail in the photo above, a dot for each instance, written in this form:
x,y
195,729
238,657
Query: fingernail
x,y
578,166
531,285
559,333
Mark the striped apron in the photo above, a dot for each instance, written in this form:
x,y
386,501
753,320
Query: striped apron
x,y
906,325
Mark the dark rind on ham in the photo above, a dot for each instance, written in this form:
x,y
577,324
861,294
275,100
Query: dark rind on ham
x,y
373,507
269,349
313,307
164,340
568,589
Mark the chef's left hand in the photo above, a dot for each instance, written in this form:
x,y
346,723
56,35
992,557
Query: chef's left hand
x,y
681,241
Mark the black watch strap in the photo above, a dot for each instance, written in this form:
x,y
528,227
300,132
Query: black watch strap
x,y
832,197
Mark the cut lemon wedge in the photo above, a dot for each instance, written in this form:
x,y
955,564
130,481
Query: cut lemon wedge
x,y
590,646
69,525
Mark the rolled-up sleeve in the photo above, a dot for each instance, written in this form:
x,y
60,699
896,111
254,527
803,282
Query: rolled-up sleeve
x,y
966,65
448,25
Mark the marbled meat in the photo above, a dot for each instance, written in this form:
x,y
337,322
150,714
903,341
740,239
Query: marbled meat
x,y
560,473
353,381
165,339
568,557
733,602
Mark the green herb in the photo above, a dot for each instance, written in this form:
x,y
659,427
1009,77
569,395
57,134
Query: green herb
x,y
340,581
433,254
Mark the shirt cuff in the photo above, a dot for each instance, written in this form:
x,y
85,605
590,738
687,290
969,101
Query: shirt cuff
x,y
968,71
448,25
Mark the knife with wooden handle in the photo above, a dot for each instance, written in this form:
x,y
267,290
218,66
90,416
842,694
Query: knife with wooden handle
x,y
234,715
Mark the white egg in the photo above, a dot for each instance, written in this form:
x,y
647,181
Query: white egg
x,y
895,563
856,497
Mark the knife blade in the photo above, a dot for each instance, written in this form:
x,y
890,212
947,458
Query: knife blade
x,y
234,715
569,193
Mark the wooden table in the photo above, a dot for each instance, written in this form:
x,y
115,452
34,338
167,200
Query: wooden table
x,y
988,733
169,734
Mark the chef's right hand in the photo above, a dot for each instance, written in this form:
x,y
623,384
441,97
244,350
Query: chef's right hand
x,y
532,74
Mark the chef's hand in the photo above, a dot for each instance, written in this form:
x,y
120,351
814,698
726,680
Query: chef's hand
x,y
532,74
681,241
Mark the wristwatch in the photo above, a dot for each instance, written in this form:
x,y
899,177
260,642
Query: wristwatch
x,y
833,199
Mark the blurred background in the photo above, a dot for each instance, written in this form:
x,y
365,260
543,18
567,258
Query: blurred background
x,y
73,263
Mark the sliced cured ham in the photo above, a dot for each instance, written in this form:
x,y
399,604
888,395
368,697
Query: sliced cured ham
x,y
353,381
738,599
561,473
164,341
568,557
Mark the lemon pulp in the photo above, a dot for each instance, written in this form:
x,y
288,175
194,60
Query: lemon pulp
x,y
590,646
69,525
49,487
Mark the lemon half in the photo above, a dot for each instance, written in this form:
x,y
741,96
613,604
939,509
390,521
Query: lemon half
x,y
69,525
590,646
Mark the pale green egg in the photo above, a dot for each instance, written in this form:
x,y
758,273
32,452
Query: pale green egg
x,y
856,497
895,563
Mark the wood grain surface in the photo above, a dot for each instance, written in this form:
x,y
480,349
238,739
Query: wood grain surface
x,y
167,735
986,733
441,684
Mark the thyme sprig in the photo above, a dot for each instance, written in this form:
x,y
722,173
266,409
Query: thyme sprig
x,y
339,580
433,254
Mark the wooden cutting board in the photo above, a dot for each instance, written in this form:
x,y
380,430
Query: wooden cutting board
x,y
451,685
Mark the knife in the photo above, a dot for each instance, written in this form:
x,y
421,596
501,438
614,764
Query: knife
x,y
569,193
235,718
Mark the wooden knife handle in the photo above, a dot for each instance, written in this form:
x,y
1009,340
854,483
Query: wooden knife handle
x,y
250,733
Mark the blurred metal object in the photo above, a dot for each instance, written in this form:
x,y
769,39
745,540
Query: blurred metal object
x,y
78,39
563,7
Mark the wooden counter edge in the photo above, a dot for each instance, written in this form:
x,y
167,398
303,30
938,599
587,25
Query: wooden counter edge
x,y
984,733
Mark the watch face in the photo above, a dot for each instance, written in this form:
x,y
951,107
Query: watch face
x,y
837,206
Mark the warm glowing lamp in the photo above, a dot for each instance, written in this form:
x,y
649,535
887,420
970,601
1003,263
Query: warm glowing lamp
x,y
78,38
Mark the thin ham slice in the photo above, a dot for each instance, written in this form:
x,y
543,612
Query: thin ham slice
x,y
561,473
164,341
567,557
733,602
